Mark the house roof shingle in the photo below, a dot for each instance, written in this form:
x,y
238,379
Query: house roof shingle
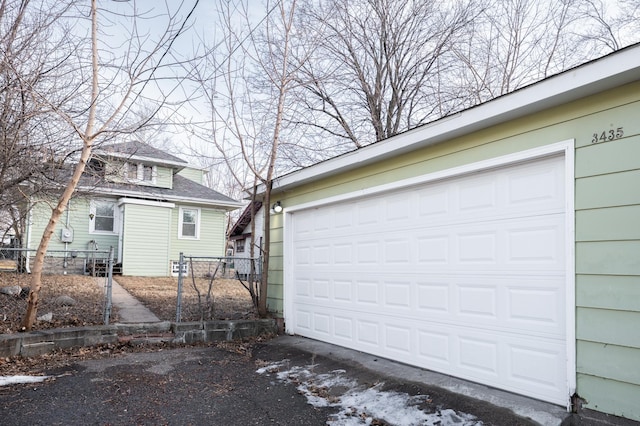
x,y
184,190
140,150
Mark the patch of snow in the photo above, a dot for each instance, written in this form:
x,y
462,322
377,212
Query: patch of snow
x,y
12,380
273,367
361,405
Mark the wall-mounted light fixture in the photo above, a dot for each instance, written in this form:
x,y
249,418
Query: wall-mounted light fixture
x,y
277,207
91,216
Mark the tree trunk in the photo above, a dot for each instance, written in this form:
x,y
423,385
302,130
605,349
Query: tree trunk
x,y
87,142
264,278
38,263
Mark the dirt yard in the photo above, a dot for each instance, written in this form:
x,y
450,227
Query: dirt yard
x,y
85,308
229,299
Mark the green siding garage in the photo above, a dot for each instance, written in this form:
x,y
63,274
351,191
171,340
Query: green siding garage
x,y
349,226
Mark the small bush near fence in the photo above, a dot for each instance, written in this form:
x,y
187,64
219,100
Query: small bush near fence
x,y
229,299
65,301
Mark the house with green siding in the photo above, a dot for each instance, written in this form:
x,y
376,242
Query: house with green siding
x,y
500,244
145,203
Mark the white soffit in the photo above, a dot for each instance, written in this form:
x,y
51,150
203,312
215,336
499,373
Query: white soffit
x,y
602,74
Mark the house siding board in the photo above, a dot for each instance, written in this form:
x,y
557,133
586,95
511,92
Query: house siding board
x,y
78,219
617,110
608,258
609,292
608,224
608,361
611,190
607,202
276,259
614,327
610,157
212,238
164,177
145,246
609,396
195,175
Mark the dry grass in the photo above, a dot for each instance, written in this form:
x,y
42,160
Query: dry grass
x,y
87,292
229,299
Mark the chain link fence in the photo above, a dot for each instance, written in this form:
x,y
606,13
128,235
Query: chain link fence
x,y
75,290
198,277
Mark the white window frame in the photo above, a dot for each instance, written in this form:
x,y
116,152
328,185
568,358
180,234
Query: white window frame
x,y
240,245
180,223
92,219
139,173
130,176
154,173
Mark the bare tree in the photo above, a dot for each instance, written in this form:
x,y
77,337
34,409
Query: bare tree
x,y
513,43
119,78
375,72
251,75
607,26
32,57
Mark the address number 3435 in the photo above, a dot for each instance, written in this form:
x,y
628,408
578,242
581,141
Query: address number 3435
x,y
607,135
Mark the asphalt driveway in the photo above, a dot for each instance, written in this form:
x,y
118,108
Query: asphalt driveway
x,y
271,384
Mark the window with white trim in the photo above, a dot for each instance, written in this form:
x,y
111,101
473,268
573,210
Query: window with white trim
x,y
103,217
189,224
131,171
147,173
140,173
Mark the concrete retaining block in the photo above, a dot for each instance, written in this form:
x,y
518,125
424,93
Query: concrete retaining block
x,y
34,349
144,328
214,331
9,345
43,341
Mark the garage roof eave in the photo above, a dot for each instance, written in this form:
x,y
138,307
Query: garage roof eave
x,y
616,69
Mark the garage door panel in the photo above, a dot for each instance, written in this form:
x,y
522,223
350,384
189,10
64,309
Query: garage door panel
x,y
537,305
367,333
515,242
536,185
518,304
464,201
493,358
477,195
398,338
535,366
465,276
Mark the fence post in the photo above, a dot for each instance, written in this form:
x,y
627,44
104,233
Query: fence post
x,y
180,278
107,307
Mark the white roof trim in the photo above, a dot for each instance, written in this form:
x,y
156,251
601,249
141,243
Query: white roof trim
x,y
140,202
141,158
611,71
227,205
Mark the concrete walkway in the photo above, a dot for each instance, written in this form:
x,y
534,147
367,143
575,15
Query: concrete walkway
x,y
130,310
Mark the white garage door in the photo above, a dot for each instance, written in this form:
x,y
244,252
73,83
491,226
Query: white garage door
x,y
464,276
